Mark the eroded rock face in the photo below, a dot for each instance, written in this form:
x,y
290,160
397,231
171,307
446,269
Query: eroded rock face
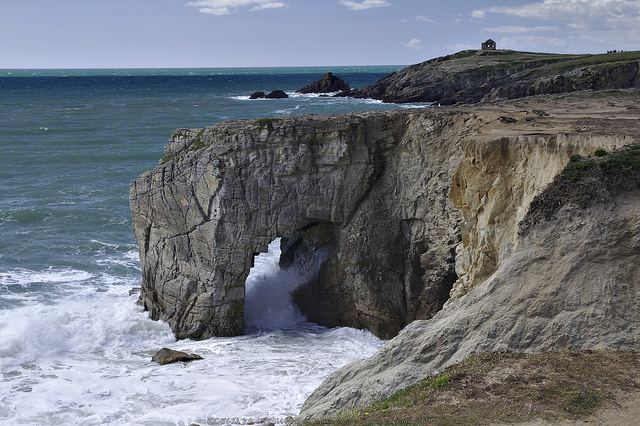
x,y
388,211
568,280
493,187
560,289
361,199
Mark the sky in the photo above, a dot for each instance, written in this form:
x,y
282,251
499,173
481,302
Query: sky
x,y
272,33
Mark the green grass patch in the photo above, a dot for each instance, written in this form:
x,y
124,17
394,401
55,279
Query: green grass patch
x,y
266,122
498,388
441,381
583,401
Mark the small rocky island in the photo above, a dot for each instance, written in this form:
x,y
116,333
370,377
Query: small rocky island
x,y
328,83
274,94
498,226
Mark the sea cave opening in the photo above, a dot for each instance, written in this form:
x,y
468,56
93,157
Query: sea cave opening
x,y
268,303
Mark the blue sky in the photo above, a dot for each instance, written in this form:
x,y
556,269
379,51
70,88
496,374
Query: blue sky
x,y
239,33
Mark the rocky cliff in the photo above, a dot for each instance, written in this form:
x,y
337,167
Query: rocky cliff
x,y
392,212
542,267
359,200
472,76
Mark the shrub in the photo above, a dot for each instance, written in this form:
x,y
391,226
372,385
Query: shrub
x,y
441,381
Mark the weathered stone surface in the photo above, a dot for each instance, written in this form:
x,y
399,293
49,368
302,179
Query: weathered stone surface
x,y
168,356
328,83
277,94
359,198
389,211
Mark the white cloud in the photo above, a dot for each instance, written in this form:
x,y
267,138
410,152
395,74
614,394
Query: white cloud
x,y
225,7
425,19
270,5
414,43
533,43
364,4
518,29
478,14
580,14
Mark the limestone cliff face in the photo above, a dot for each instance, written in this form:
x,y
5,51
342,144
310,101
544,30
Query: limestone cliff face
x,y
570,279
392,214
493,187
389,213
359,200
572,282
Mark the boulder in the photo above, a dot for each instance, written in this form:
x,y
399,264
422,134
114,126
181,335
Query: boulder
x,y
328,83
169,356
257,95
277,94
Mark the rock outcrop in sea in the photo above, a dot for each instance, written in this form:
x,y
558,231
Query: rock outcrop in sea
x,y
274,94
448,228
360,199
328,83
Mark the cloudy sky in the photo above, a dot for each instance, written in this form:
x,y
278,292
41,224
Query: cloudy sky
x,y
239,33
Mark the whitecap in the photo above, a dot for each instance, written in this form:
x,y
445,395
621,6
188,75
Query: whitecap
x,y
26,277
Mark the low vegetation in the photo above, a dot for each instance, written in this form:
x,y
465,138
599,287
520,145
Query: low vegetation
x,y
494,388
266,122
543,63
585,180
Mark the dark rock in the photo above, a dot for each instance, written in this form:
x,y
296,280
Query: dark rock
x,y
469,77
328,83
257,95
277,94
168,356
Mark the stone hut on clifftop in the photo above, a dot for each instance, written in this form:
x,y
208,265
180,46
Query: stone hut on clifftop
x,y
489,45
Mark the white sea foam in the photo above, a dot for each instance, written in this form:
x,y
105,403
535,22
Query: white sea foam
x,y
85,359
27,277
268,302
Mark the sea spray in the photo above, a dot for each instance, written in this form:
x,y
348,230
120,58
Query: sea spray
x,y
87,359
268,302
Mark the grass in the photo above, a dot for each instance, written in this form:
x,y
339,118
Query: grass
x,y
507,388
267,122
536,64
197,144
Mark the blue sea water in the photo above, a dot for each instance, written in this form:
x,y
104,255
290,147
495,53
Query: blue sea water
x,y
74,346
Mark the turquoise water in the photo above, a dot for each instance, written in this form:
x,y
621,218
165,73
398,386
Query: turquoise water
x,y
74,346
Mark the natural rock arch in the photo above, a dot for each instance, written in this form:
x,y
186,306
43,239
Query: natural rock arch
x,y
382,240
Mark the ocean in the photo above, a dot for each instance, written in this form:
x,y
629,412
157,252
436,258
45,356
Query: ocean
x,y
75,348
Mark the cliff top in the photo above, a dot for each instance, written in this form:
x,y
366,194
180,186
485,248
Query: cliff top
x,y
473,76
479,61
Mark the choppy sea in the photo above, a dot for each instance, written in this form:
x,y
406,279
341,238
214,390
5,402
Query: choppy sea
x,y
74,346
